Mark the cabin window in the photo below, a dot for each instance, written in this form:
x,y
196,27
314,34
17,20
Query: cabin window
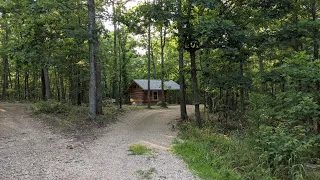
x,y
135,87
155,95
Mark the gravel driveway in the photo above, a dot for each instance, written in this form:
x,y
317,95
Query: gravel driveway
x,y
29,149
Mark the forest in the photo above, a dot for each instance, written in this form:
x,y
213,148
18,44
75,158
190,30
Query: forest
x,y
254,64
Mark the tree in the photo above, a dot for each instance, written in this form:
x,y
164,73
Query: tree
x,y
92,38
115,83
5,56
183,109
192,45
98,78
149,60
163,33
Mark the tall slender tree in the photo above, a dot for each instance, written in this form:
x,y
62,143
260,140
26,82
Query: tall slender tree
x,y
183,109
92,33
5,57
115,76
149,60
192,45
163,33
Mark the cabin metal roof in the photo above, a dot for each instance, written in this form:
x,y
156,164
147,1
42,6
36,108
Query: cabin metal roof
x,y
156,84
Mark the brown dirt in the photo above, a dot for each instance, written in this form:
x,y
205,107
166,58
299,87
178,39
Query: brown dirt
x,y
31,150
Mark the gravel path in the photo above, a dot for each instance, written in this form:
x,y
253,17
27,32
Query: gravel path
x,y
29,149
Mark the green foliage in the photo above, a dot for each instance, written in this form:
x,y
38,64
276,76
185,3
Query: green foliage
x,y
70,119
217,156
162,104
290,108
260,111
285,149
139,149
51,107
301,71
296,107
283,130
274,150
247,46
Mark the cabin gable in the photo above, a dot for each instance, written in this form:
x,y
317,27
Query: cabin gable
x,y
137,94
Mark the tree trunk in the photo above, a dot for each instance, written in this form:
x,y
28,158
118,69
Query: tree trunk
x,y
120,74
124,70
10,79
5,77
79,88
315,37
296,41
227,97
43,85
195,88
26,84
261,69
149,59
183,109
35,93
242,108
153,63
91,33
18,82
105,80
115,54
315,54
316,128
98,77
63,90
162,45
210,102
58,88
72,85
5,62
46,83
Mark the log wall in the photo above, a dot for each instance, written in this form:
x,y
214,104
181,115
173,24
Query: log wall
x,y
137,95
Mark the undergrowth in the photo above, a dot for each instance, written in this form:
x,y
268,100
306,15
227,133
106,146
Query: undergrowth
x,y
73,119
217,156
51,107
214,155
278,141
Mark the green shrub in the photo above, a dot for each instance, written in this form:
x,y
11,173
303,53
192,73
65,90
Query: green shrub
x,y
292,108
160,103
217,156
270,153
285,149
260,109
51,107
283,131
296,108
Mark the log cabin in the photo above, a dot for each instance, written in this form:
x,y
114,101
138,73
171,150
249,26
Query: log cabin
x,y
138,90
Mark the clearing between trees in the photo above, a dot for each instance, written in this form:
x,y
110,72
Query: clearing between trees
x,y
30,150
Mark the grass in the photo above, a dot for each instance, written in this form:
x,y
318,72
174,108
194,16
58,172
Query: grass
x,y
216,156
70,119
51,107
139,149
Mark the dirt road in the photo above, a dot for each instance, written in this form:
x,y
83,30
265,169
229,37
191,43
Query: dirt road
x,y
29,149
